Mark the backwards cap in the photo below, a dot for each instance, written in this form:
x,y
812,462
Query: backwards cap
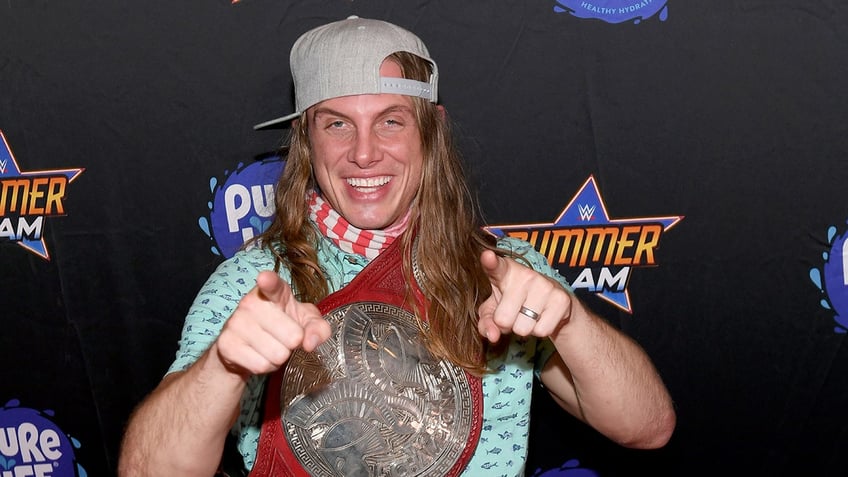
x,y
343,58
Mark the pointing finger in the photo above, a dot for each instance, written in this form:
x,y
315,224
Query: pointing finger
x,y
271,287
495,267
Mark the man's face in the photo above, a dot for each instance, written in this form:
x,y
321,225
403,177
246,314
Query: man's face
x,y
367,155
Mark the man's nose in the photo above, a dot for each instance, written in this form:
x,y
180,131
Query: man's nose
x,y
365,151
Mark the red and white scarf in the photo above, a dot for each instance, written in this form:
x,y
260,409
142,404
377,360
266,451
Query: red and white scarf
x,y
368,243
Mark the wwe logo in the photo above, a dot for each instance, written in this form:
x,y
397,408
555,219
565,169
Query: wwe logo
x,y
586,212
3,166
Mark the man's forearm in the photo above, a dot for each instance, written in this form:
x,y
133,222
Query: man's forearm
x,y
606,379
181,427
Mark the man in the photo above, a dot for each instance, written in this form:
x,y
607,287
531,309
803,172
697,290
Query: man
x,y
372,176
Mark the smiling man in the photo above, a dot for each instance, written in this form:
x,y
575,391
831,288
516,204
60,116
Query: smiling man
x,y
367,155
375,328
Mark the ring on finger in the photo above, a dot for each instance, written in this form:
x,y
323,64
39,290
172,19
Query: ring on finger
x,y
529,313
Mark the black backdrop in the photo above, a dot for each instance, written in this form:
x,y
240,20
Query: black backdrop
x,y
730,114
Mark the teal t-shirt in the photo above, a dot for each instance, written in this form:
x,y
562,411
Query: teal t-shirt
x,y
502,448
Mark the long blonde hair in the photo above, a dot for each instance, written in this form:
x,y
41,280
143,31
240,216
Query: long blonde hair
x,y
444,228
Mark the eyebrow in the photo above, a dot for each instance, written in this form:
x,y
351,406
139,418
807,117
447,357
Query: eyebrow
x,y
332,112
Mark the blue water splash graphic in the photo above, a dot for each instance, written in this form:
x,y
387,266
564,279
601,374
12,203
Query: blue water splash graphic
x,y
570,468
76,443
832,279
259,224
614,11
7,464
203,223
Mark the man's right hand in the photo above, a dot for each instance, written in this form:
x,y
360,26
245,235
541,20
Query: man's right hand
x,y
268,324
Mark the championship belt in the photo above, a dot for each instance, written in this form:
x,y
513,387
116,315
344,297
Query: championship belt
x,y
371,400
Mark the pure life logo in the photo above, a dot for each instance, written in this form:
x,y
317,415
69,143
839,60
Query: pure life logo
x,y
31,445
242,205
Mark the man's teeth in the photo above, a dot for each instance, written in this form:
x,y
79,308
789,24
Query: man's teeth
x,y
369,182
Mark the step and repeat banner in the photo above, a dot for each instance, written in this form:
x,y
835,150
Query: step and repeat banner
x,y
683,164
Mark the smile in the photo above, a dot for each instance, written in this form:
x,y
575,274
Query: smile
x,y
368,184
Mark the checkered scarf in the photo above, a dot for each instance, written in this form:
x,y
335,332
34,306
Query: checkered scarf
x,y
368,243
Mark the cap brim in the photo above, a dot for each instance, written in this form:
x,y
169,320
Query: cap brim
x,y
278,123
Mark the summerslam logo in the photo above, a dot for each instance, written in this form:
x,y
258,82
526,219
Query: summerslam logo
x,y
614,11
26,198
242,205
595,253
832,278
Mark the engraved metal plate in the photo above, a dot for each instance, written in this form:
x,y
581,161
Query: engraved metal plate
x,y
372,401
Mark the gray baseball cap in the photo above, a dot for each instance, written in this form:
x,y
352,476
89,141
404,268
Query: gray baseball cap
x,y
343,58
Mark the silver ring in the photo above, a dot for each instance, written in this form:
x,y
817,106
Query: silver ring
x,y
529,313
